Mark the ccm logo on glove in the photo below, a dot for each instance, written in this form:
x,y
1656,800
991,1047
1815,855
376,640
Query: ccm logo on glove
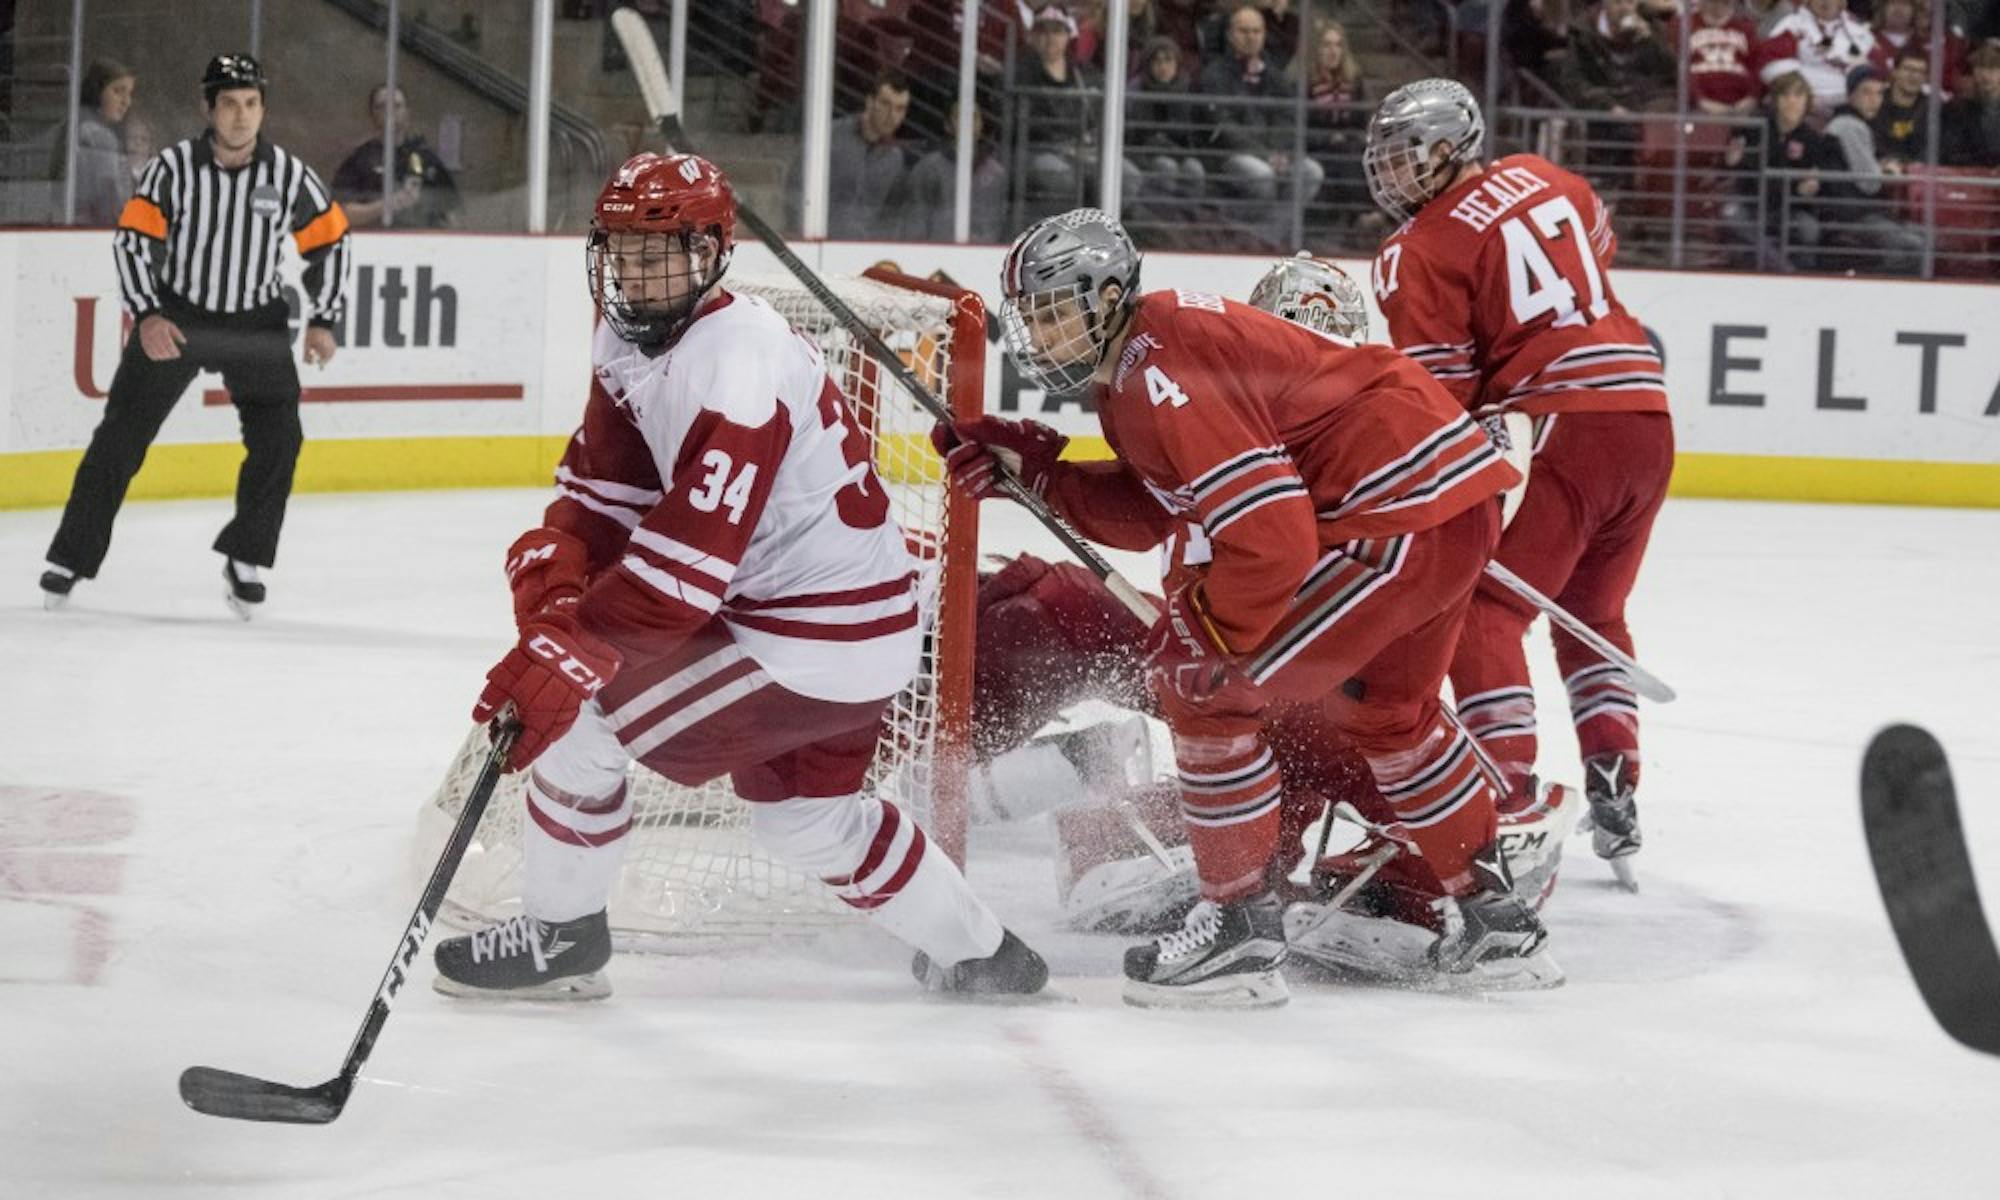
x,y
568,665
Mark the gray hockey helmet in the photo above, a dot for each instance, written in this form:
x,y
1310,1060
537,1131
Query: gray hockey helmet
x,y
1402,134
1052,310
1314,293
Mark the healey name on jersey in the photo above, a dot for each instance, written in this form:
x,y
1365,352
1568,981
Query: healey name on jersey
x,y
1500,287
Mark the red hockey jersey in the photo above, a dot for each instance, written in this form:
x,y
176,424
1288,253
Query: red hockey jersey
x,y
1499,287
1279,443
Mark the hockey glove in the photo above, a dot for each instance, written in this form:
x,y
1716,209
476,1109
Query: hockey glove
x,y
972,449
1186,656
547,676
547,569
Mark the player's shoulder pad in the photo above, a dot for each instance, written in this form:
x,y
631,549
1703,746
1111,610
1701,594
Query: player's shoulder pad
x,y
733,361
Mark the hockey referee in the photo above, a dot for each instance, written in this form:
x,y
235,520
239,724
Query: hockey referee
x,y
197,250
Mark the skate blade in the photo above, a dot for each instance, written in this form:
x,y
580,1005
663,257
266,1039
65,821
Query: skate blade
x,y
1535,973
1265,989
569,989
1046,996
54,601
243,609
1622,868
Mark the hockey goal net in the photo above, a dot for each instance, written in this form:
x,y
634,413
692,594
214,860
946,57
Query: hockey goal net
x,y
692,876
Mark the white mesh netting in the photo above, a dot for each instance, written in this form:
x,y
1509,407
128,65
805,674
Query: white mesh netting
x,y
692,876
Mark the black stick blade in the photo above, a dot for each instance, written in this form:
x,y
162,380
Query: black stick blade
x,y
245,1098
1910,811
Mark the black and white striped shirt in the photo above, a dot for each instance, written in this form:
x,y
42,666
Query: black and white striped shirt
x,y
212,236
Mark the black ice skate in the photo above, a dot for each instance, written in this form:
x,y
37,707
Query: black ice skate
x,y
1222,956
526,959
246,591
1614,813
56,585
1012,970
1491,940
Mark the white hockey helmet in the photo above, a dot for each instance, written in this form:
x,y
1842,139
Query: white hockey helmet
x,y
1314,293
1399,159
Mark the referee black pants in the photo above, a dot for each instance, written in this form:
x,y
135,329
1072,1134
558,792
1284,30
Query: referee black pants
x,y
253,352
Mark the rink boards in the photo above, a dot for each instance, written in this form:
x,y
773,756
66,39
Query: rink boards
x,y
464,360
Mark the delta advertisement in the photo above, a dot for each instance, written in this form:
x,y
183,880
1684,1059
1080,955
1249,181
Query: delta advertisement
x,y
463,361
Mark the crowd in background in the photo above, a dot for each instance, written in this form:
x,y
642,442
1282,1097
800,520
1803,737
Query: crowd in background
x,y
1245,118
1214,139
114,142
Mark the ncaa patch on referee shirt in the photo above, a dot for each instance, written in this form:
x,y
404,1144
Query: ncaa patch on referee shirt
x,y
265,201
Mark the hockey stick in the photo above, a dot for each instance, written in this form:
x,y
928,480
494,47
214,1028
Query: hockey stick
x,y
221,1093
1909,809
664,107
1644,682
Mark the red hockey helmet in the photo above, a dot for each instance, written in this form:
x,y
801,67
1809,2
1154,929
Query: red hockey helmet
x,y
661,237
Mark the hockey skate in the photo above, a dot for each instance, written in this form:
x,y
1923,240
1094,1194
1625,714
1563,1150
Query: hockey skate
x,y
246,591
56,585
1012,970
1490,940
1608,783
522,958
1222,956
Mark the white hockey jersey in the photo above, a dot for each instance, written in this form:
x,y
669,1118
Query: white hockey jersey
x,y
727,478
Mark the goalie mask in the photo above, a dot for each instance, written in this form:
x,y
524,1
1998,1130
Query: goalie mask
x,y
661,237
1403,136
1052,307
1314,293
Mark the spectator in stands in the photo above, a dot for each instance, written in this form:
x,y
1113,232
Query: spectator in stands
x,y
1160,129
425,196
1337,122
1901,25
1535,34
1616,63
1902,127
927,201
1142,25
1821,41
1281,31
1255,140
1791,225
103,174
866,164
1721,41
1058,128
1970,125
1856,208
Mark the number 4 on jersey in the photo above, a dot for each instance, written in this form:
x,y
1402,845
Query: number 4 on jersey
x,y
1161,388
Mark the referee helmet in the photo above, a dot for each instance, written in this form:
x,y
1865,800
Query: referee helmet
x,y
226,71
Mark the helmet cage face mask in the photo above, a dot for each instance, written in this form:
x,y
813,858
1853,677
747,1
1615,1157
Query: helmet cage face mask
x,y
1073,315
1052,312
1316,294
1397,160
647,285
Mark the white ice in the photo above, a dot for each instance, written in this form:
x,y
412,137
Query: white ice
x,y
204,826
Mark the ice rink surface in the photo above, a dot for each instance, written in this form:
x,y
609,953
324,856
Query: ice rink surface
x,y
204,828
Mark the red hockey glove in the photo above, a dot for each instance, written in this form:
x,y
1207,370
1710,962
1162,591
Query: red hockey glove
x,y
971,449
547,569
1185,655
547,676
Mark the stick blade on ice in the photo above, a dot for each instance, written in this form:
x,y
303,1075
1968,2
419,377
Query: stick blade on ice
x,y
1910,811
220,1093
